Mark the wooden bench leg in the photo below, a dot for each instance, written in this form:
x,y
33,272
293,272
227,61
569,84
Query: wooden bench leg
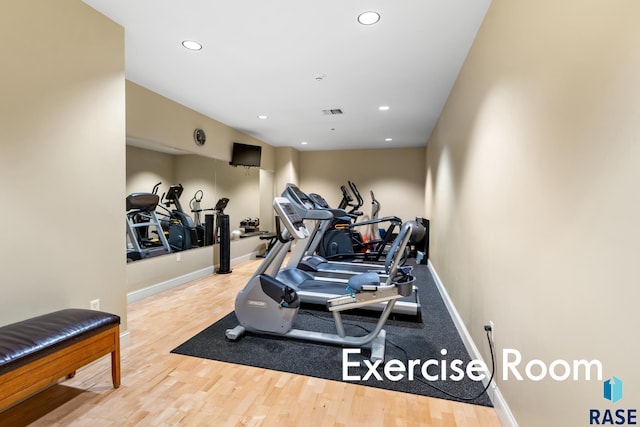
x,y
115,360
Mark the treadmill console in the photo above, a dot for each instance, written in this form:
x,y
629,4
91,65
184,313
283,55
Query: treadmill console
x,y
290,218
174,192
221,205
298,196
319,201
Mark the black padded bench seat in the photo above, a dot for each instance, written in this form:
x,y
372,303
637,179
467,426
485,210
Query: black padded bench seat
x,y
39,351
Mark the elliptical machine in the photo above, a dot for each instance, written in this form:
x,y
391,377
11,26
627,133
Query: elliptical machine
x,y
344,242
268,306
204,229
182,232
375,210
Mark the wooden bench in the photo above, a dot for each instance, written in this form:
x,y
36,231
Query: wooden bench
x,y
37,352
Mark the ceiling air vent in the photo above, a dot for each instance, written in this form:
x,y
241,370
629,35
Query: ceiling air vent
x,y
332,112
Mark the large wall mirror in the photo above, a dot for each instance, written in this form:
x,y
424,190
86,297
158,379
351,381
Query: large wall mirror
x,y
204,179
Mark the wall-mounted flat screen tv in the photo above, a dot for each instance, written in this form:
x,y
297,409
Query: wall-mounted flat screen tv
x,y
245,155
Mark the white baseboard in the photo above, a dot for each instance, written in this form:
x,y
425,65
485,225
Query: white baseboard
x,y
125,339
499,403
243,258
181,280
235,261
168,284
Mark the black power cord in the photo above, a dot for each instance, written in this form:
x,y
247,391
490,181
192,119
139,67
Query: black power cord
x,y
488,330
484,390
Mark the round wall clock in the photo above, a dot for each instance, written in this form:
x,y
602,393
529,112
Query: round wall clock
x,y
199,136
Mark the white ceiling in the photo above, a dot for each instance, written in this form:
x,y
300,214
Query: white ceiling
x,y
262,57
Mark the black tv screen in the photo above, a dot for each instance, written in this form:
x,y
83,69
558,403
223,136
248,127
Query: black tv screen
x,y
245,155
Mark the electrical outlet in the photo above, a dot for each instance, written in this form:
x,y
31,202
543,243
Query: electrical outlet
x,y
493,330
178,257
94,304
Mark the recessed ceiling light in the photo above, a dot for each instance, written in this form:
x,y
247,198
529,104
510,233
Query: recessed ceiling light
x,y
388,139
383,108
304,143
191,45
262,117
368,18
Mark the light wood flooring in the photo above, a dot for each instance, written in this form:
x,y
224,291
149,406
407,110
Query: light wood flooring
x,y
163,389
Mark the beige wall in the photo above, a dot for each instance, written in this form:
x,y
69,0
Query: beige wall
x,y
242,187
145,168
287,167
267,186
62,159
532,186
396,177
154,118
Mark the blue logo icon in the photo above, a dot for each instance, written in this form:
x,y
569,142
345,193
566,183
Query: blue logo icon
x,y
613,389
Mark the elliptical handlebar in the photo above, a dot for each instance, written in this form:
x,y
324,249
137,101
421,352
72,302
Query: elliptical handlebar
x,y
194,203
375,206
347,201
356,193
346,198
197,197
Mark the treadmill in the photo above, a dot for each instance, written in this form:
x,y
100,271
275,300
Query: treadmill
x,y
317,290
304,257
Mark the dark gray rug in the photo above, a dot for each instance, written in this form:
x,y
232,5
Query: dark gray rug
x,y
406,340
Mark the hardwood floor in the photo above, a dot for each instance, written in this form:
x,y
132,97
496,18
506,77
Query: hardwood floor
x,y
162,389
